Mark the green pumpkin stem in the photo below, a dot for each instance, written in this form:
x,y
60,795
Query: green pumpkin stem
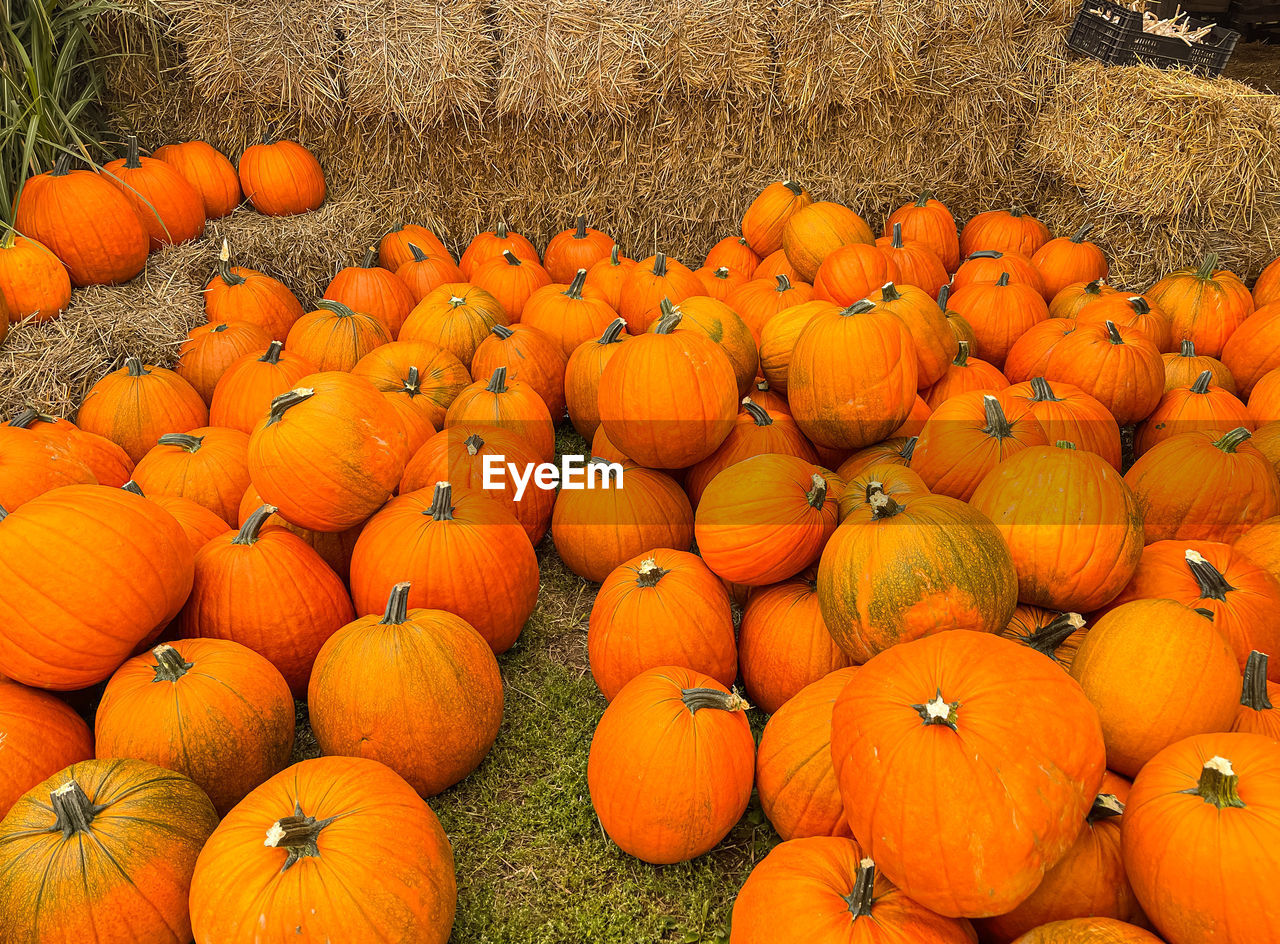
x,y
944,297
1065,444
1083,232
939,711
860,307
72,811
1105,806
248,533
283,402
228,277
909,448
721,273
442,502
1095,287
132,160
574,290
132,488
1207,265
418,254
502,331
882,506
669,319
1213,586
1219,784
474,444
501,230
1003,280
649,573
134,367
817,493
986,254
412,383
784,284
863,896
1232,440
1254,694
4,512
1041,392
613,333
696,699
182,441
1113,333
896,242
1048,638
1188,347
997,423
1201,383
498,382
793,187
272,354
581,231
170,666
613,256
511,258
370,258
1207,614
759,415
660,265
889,292
1139,305
61,165
28,415
962,355
297,835
397,611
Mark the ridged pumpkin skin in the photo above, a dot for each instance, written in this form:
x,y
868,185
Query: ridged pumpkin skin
x,y
720,323
371,289
334,547
607,276
333,337
210,349
266,589
31,466
244,393
918,263
109,463
1261,544
662,607
1264,400
852,272
207,465
1189,679
531,356
1003,231
426,271
990,266
766,217
463,552
579,247
209,171
814,232
720,283
734,253
1118,366
930,222
418,690
924,566
1210,804
487,246
1069,259
600,528
39,735
582,377
935,343
964,374
756,432
778,341
198,523
776,264
1071,523
895,480
239,294
33,281
1066,412
1200,406
316,458
795,777
456,316
647,284
137,404
513,406
210,709
568,313
999,313
1205,305
65,552
895,451
393,248
439,377
1131,311
1052,633
86,222
170,208
372,840
509,279
281,178
671,765
766,518
1089,931
965,733
108,859
1071,298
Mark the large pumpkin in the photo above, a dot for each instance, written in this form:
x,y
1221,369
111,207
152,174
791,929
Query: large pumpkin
x,y
102,851
929,564
1205,304
970,434
210,709
766,217
42,734
170,208
207,465
337,830
34,283
281,178
456,316
245,390
371,289
208,170
671,765
721,324
965,733
137,404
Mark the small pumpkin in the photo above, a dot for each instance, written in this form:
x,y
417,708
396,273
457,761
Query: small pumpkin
x,y
1071,298
894,451
607,276
423,273
1068,413
1182,368
281,178
531,356
1070,259
137,404
371,289
989,265
757,302
208,170
490,246
963,375
34,283
239,294
650,282
1012,230
734,253
393,248
208,465
582,377
720,283
918,263
928,221
246,388
170,208
851,272
970,434
1131,311
212,348
580,247
456,316
766,218
756,432
776,264
567,314
1205,304
514,406
999,313
43,734
815,231
1200,406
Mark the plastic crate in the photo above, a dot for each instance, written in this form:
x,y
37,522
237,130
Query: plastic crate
x,y
1113,34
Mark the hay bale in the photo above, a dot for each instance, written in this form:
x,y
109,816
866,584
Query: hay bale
x,y
717,47
420,62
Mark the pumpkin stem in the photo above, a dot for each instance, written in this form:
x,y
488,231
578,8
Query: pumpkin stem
x,y
4,512
613,256
1207,265
442,502
889,292
498,382
501,229
62,165
473,443
370,258
28,415
1232,440
817,494
1041,392
649,573
132,488
757,413
224,266
272,354
418,254
858,308
134,367
939,711
1065,444
219,327
721,273
896,242
581,231
670,318
132,160
574,290
944,297
1219,784
997,423
73,813
986,254
909,448
1213,586
1105,806
1139,304
1003,280
297,834
502,331
793,187
248,532
1083,232
1113,333
962,355
170,666
660,265
1201,384
1207,614
1188,347
784,284
1254,694
882,506
1095,287
511,258
1047,638
613,333
397,611
862,897
182,441
283,401
697,698
412,383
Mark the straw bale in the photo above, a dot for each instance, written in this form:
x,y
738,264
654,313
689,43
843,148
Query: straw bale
x,y
1162,143
713,46
420,62
573,57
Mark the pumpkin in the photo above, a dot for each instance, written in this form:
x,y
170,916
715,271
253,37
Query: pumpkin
x,y
813,232
768,398
1031,354
1205,304
783,643
1003,231
757,302
1119,367
424,273
207,465
209,709
314,457
661,607
1264,399
894,451
1069,259
281,178
668,399
795,777
911,569
895,480
567,315
337,830
632,512
84,221
1267,287
456,316
1182,368
719,323
212,348
1071,298
774,265
582,377
649,283
990,265
970,434
938,724
394,251
578,248
239,294
104,851
852,379
1203,486
138,403
606,451
198,523
778,340
1070,521
1051,633
418,690
208,171
1261,544
733,253
512,281
963,375
42,735
34,283
928,221
246,388
606,277
1254,348
917,263
766,218
720,283
109,463
671,765
170,208
1190,679
999,312
490,246
334,547
1201,406
531,356
515,406
851,272
1088,931
935,343
371,289
1259,697
440,376
31,466
1208,803
1130,311
756,432
766,518
1066,412
823,888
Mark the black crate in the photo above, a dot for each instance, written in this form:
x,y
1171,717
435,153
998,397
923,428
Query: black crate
x,y
1113,34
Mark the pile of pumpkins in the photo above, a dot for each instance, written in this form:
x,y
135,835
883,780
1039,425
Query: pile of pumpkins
x,y
1014,691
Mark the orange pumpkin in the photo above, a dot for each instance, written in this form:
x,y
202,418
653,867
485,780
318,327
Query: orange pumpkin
x,y
1182,368
1261,544
43,734
333,337
774,265
756,432
32,465
650,282
582,377
1119,367
212,348
208,465
239,294
734,253
1200,406
511,280
109,463
490,246
137,404
607,276
936,344
1267,288
815,231
208,170
999,313
851,272
1069,259
917,263
757,302
422,273
1088,931
198,523
778,341
1205,304
334,547
578,248
34,283
1003,231
1254,348
456,316
895,480
720,283
531,356
566,314
281,178
970,434
1131,311
930,222
170,208
371,289
515,406
893,451
766,218
1071,298
990,265
244,392
394,251
1068,413
963,375
1051,633
718,322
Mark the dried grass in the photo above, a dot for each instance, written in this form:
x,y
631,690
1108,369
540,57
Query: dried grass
x,y
714,47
